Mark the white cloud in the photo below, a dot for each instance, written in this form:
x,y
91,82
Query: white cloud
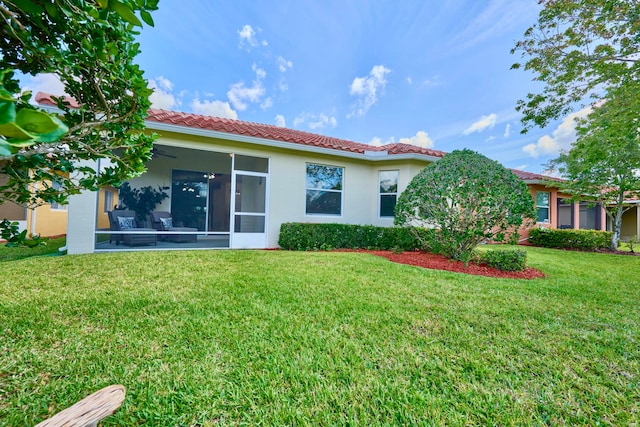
x,y
432,82
366,89
47,83
489,139
280,122
214,108
268,103
421,139
283,86
162,96
247,37
485,122
562,137
239,94
260,73
507,130
409,80
315,121
283,64
522,167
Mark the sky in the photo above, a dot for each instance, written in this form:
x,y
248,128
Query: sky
x,y
430,73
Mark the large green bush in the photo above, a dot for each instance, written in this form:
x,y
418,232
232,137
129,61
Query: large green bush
x,y
469,199
586,240
305,236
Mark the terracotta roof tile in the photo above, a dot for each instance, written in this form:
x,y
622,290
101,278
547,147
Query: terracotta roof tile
x,y
258,130
530,176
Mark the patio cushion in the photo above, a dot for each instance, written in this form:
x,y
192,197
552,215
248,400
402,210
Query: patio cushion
x,y
126,222
167,223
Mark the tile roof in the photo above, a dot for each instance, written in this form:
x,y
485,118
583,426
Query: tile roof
x,y
530,176
258,130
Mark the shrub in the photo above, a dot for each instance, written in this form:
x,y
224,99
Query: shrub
x,y
586,240
468,198
305,236
504,259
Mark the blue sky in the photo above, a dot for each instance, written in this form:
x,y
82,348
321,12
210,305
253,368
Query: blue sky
x,y
436,74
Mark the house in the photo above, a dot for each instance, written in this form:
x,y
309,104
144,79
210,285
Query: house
x,y
231,184
47,220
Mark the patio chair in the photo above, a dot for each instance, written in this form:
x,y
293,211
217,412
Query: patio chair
x,y
89,411
163,221
125,220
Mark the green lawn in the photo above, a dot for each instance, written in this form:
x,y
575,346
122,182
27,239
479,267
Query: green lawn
x,y
207,338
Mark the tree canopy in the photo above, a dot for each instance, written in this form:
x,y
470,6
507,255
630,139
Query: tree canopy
x,y
578,49
90,46
603,165
469,199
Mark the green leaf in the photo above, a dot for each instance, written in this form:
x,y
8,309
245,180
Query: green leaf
x,y
146,17
103,4
36,121
12,130
5,148
7,112
125,13
56,134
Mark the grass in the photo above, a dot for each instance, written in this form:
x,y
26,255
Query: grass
x,y
208,338
50,248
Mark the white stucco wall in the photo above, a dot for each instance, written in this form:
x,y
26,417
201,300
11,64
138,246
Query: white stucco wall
x,y
287,181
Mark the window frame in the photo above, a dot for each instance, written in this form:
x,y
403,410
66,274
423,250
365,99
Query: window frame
x,y
547,207
56,206
329,190
380,193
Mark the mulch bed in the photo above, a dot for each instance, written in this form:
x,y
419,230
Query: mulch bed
x,y
439,262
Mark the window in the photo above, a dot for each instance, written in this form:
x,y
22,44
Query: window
x,y
590,216
108,200
55,185
388,191
565,213
324,189
542,205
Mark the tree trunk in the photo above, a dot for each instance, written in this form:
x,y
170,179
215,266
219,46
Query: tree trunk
x,y
617,222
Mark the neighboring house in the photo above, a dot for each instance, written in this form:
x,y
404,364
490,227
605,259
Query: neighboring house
x,y
231,184
630,220
46,220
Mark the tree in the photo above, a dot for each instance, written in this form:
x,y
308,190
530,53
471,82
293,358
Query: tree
x,y
469,199
578,49
90,46
603,165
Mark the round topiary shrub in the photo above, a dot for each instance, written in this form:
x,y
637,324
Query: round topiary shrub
x,y
468,198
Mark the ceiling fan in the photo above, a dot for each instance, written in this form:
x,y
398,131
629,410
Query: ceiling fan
x,y
156,152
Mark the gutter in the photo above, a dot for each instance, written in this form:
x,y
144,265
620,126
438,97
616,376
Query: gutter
x,y
367,155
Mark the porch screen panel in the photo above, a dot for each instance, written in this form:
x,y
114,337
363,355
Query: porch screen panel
x,y
565,213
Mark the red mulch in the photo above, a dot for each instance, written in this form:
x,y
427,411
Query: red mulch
x,y
439,262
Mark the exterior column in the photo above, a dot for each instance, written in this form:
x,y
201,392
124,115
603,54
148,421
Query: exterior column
x,y
81,220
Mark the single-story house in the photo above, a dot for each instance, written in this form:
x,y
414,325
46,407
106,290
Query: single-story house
x,y
231,184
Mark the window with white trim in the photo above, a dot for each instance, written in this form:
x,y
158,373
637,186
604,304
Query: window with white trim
x,y
55,185
387,193
542,206
324,189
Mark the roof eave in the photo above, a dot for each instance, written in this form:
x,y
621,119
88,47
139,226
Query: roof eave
x,y
370,156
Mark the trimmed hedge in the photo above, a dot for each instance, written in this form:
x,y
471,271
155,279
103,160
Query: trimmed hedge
x,y
305,236
586,240
504,259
